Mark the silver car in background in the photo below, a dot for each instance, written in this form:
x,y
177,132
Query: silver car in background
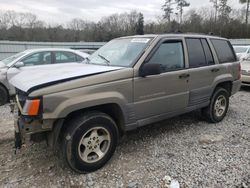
x,y
32,59
245,71
242,51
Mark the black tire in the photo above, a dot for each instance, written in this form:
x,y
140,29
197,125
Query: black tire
x,y
4,96
209,112
77,128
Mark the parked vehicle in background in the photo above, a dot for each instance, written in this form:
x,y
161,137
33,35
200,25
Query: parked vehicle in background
x,y
128,83
245,71
32,59
88,51
242,51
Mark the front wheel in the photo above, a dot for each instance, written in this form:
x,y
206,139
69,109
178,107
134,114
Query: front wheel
x,y
218,107
90,141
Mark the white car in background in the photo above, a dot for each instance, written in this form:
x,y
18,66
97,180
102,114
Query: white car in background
x,y
245,71
33,59
242,51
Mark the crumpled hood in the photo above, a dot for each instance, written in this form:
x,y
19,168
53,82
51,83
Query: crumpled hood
x,y
42,76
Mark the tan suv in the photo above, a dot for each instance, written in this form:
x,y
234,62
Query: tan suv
x,y
128,83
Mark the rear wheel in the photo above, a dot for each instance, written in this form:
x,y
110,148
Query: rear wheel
x,y
218,107
90,141
4,97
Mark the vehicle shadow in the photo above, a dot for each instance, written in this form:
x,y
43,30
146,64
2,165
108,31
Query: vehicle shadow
x,y
173,125
245,88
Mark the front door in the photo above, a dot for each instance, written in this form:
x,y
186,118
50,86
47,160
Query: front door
x,y
39,58
167,92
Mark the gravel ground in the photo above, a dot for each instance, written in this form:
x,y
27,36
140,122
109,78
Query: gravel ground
x,y
186,148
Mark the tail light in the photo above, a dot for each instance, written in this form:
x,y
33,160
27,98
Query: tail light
x,y
239,71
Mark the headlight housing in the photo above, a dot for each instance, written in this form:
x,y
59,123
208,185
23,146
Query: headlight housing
x,y
31,107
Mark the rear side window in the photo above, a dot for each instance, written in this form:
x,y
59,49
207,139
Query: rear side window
x,y
208,53
223,50
64,57
195,53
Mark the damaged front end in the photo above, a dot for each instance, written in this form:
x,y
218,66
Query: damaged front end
x,y
28,119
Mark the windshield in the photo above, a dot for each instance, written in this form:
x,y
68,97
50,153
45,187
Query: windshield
x,y
120,52
12,58
240,49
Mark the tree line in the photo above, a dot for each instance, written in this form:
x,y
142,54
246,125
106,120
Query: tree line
x,y
219,19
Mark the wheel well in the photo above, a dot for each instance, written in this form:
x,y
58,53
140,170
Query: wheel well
x,y
7,91
226,85
112,109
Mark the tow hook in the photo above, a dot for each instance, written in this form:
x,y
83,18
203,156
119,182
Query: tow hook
x,y
18,141
12,107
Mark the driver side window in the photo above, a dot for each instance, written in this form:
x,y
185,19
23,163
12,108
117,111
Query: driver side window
x,y
169,55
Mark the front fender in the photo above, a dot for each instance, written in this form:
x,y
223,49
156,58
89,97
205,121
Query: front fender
x,y
69,105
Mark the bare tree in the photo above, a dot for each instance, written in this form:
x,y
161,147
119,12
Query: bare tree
x,y
216,7
247,9
168,9
26,26
224,10
180,5
140,25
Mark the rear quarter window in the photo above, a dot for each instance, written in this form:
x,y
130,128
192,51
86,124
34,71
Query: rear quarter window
x,y
223,50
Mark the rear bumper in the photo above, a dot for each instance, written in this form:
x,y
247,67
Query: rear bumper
x,y
245,80
236,86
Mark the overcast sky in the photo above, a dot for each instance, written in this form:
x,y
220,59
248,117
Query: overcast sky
x,y
61,11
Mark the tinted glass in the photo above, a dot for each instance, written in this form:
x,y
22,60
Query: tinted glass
x,y
41,58
208,53
64,57
223,50
195,53
79,58
169,55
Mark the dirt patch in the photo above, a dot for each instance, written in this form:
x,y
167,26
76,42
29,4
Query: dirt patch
x,y
145,156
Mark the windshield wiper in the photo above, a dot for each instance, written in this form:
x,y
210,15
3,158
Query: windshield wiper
x,y
87,60
104,58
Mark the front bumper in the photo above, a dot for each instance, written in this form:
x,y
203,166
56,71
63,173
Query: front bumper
x,y
28,130
22,135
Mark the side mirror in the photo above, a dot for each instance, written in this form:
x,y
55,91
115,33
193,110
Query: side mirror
x,y
150,69
19,64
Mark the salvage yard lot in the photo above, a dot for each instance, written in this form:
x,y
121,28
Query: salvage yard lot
x,y
187,148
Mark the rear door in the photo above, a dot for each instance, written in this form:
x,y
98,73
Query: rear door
x,y
202,69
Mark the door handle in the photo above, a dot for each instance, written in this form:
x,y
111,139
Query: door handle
x,y
215,70
183,76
